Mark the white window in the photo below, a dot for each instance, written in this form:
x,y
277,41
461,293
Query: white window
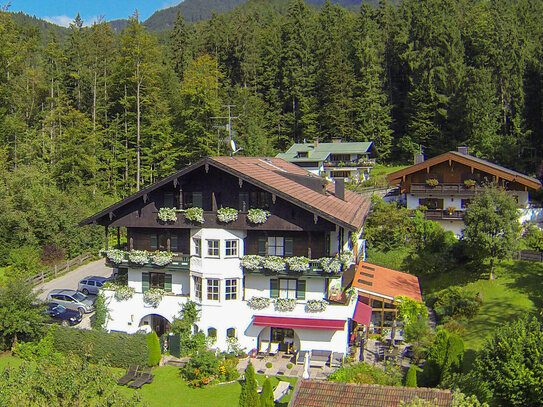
x,y
276,246
231,289
213,248
231,248
213,289
198,247
198,287
287,288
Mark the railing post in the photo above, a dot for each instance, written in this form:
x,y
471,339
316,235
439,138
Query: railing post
x,y
55,270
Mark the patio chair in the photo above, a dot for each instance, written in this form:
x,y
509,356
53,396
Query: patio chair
x,y
146,377
300,357
264,347
132,373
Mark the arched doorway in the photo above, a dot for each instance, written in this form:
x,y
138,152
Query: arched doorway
x,y
156,323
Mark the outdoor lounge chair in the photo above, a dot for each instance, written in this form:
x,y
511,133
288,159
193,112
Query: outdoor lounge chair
x,y
274,348
280,390
132,373
300,357
146,377
264,347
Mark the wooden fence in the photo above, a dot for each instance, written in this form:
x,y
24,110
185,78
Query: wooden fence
x,y
529,255
59,269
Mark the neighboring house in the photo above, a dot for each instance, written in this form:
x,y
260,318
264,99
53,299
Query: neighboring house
x,y
445,185
351,162
318,393
377,289
308,217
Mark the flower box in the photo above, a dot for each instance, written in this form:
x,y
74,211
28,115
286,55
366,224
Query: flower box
x,y
252,262
162,259
432,182
451,210
257,216
115,255
330,265
298,263
153,297
469,183
167,214
315,306
227,215
285,304
274,263
194,215
122,292
138,257
258,303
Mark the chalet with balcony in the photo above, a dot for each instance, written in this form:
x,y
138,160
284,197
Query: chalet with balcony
x,y
444,185
260,244
351,162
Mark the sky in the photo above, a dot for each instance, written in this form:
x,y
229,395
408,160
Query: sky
x,y
63,12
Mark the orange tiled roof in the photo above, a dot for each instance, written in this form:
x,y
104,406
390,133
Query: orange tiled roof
x,y
273,172
386,282
316,393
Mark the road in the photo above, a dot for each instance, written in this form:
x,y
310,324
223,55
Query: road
x,y
70,280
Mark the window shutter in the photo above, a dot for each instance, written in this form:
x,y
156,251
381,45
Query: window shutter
x,y
274,288
289,246
154,242
300,289
144,282
173,243
168,283
262,246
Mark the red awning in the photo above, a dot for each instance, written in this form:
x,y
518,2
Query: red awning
x,y
362,313
300,323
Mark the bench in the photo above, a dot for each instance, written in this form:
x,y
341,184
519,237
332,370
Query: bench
x,y
319,357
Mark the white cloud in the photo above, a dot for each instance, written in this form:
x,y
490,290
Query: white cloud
x,y
63,20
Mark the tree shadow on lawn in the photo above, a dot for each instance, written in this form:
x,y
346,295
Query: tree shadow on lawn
x,y
459,276
527,277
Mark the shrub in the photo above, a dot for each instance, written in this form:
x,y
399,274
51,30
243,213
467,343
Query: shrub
x,y
101,312
24,261
249,394
228,370
456,303
411,377
120,349
289,366
445,357
51,254
269,365
201,369
363,373
154,349
35,350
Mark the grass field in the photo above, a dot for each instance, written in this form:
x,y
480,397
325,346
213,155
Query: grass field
x,y
168,389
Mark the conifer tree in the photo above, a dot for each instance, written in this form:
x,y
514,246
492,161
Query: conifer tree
x,y
249,394
266,397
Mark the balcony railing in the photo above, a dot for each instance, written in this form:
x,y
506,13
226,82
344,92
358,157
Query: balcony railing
x,y
445,189
434,214
179,262
346,164
316,267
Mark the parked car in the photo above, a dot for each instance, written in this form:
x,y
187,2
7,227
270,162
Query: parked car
x,y
71,299
62,315
91,284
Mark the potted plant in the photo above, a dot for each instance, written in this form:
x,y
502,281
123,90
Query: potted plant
x,y
432,182
257,216
167,214
451,210
153,296
162,259
138,257
469,183
195,215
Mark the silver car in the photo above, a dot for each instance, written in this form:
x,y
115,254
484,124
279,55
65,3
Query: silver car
x,y
91,284
71,299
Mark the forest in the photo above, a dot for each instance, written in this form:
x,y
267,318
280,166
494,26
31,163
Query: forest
x,y
95,115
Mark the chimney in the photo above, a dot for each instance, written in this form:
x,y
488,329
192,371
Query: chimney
x,y
340,188
463,150
316,142
336,140
419,158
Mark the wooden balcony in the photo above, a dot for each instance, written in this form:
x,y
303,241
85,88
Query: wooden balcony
x,y
179,262
315,270
444,189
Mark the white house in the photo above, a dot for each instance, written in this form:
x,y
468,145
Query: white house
x,y
287,293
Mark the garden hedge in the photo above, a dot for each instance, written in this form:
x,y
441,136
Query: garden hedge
x,y
119,349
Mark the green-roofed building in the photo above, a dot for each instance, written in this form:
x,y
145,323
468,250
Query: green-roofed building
x,y
351,161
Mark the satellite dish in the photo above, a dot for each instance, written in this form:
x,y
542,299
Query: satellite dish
x,y
233,145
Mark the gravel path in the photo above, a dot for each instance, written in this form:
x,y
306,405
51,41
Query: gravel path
x,y
70,280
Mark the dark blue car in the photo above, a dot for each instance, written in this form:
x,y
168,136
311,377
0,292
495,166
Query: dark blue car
x,y
63,316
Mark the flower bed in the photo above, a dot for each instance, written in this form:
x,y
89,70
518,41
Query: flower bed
x,y
162,258
252,262
139,257
258,303
153,296
274,263
167,214
257,216
315,306
195,215
298,263
285,304
330,265
227,215
115,255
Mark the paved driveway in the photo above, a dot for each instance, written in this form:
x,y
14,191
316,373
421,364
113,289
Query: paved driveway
x,y
71,279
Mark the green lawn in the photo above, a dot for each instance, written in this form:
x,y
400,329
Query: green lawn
x,y
8,360
168,389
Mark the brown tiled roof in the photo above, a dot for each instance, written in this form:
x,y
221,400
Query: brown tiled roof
x,y
271,174
469,160
315,393
286,180
386,282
